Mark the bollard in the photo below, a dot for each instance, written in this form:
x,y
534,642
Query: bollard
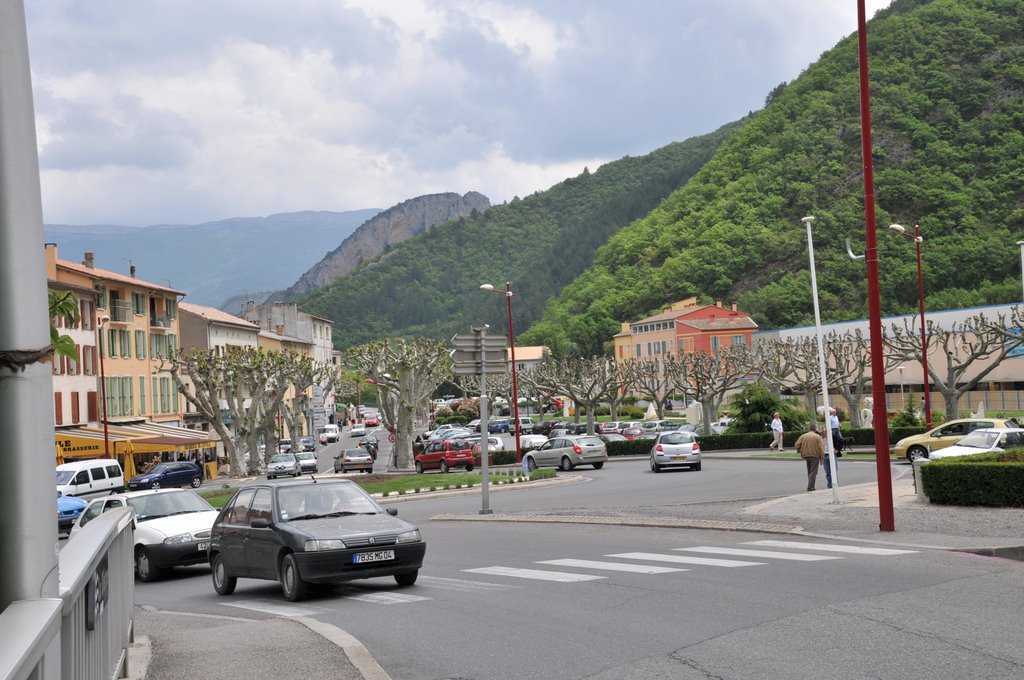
x,y
918,485
526,467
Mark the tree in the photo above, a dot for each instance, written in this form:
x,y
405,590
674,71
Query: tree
x,y
755,405
405,373
773,360
588,382
848,368
650,377
710,376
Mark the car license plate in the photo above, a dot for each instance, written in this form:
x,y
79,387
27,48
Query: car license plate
x,y
202,546
678,457
378,556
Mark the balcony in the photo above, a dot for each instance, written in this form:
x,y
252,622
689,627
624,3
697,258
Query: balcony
x,y
121,311
160,322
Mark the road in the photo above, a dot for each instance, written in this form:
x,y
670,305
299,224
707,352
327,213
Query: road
x,y
520,600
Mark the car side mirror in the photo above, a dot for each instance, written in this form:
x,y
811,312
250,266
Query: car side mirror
x,y
392,511
260,523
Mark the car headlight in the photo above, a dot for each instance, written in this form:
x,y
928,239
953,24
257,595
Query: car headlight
x,y
409,537
178,538
325,544
901,442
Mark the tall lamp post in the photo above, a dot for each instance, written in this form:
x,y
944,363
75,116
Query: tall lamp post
x,y
1021,244
104,320
916,238
821,365
512,346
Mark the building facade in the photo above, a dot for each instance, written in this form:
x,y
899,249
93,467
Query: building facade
x,y
684,327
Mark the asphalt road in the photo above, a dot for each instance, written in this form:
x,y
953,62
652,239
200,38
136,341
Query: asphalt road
x,y
500,600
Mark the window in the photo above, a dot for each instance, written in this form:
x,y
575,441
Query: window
x,y
125,338
260,508
664,347
739,340
76,411
88,309
111,343
172,344
142,395
140,344
138,303
101,297
171,305
126,401
98,473
638,349
114,471
714,343
240,507
58,408
73,363
649,352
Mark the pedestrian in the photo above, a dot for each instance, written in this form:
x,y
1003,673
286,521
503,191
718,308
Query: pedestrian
x,y
777,430
811,447
837,447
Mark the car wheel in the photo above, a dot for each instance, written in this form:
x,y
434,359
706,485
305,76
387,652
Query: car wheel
x,y
155,485
222,583
695,468
368,471
419,467
654,466
406,579
598,466
566,464
271,477
531,464
144,567
292,585
196,482
469,468
916,453
444,466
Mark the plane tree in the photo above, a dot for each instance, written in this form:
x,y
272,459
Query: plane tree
x,y
588,382
710,376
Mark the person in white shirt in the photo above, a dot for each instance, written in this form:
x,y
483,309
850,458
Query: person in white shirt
x,y
776,433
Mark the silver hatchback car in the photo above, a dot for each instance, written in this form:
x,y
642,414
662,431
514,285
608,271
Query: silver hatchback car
x,y
283,464
675,449
568,452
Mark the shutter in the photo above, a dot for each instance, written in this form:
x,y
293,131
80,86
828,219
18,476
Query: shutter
x,y
91,407
76,410
58,408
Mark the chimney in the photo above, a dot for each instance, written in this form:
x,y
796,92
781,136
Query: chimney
x,y
279,329
734,307
90,260
718,303
131,270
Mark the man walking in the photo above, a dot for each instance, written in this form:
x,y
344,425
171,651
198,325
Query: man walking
x,y
811,447
777,430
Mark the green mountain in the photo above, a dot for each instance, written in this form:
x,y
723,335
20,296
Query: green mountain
x,y
429,285
947,84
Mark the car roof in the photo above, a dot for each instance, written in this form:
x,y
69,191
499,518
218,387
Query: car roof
x,y
144,492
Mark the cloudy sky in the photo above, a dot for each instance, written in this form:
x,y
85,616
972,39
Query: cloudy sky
x,y
186,111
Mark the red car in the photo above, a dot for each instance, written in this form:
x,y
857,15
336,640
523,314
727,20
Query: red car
x,y
371,421
632,432
445,454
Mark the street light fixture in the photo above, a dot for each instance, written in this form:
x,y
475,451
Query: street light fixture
x,y
512,346
104,320
821,366
916,238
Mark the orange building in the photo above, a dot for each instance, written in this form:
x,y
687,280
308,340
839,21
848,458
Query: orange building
x,y
684,327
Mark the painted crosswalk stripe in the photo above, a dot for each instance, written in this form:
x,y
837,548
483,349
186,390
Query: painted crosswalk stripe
x,y
763,554
460,585
684,559
827,547
613,566
558,576
274,608
384,598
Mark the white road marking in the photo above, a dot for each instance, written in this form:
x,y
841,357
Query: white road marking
x,y
274,608
385,598
764,554
613,566
854,549
560,577
458,584
684,559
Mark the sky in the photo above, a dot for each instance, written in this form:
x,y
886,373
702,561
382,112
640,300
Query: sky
x,y
188,111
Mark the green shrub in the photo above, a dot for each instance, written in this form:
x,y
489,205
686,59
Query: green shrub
x,y
991,479
630,447
457,420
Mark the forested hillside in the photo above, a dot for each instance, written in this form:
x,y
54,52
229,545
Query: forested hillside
x,y
947,82
429,285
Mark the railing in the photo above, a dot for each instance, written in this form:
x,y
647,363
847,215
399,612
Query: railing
x,y
159,321
121,311
84,634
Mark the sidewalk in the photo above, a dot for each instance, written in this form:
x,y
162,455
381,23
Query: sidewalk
x,y
177,646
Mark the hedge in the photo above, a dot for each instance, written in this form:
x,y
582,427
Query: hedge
x,y
992,479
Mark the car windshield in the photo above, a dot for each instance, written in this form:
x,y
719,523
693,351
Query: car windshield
x,y
677,438
283,458
65,476
158,468
980,440
157,505
314,501
305,456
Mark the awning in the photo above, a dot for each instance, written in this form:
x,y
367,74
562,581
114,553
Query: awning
x,y
156,438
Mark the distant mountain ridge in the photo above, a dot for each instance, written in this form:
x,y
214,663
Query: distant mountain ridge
x,y
213,261
383,230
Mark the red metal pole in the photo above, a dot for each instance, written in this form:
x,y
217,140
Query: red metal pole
x,y
924,336
515,387
103,396
881,416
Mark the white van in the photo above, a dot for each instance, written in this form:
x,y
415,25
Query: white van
x,y
90,477
332,433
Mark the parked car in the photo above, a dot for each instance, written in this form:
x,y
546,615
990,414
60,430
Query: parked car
x,y
444,455
631,424
526,424
675,449
311,532
441,428
69,509
473,425
983,441
451,434
90,477
499,425
568,452
283,464
608,426
172,527
371,420
632,433
307,443
307,462
494,443
649,426
284,446
947,434
529,441
544,427
669,425
175,473
353,459
611,437
358,430
331,432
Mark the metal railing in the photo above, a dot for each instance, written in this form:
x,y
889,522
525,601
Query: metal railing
x,y
84,634
121,311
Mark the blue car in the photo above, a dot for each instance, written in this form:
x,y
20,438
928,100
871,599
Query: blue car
x,y
68,510
163,475
497,426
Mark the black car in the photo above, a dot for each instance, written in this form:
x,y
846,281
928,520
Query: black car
x,y
161,475
307,532
308,443
544,427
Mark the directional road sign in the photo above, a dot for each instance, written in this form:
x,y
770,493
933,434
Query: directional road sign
x,y
476,352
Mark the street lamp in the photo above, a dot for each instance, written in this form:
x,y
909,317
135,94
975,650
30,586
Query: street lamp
x,y
1021,244
903,399
821,365
512,346
104,320
916,238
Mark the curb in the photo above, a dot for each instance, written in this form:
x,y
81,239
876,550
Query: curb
x,y
355,651
669,523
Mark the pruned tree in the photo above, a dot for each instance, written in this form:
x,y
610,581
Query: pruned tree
x,y
709,377
588,382
848,368
405,372
773,361
806,376
968,351
303,374
650,377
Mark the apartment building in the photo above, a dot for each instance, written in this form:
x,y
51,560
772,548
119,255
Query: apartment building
x,y
684,327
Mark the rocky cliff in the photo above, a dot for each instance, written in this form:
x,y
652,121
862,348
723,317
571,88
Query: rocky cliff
x,y
395,224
